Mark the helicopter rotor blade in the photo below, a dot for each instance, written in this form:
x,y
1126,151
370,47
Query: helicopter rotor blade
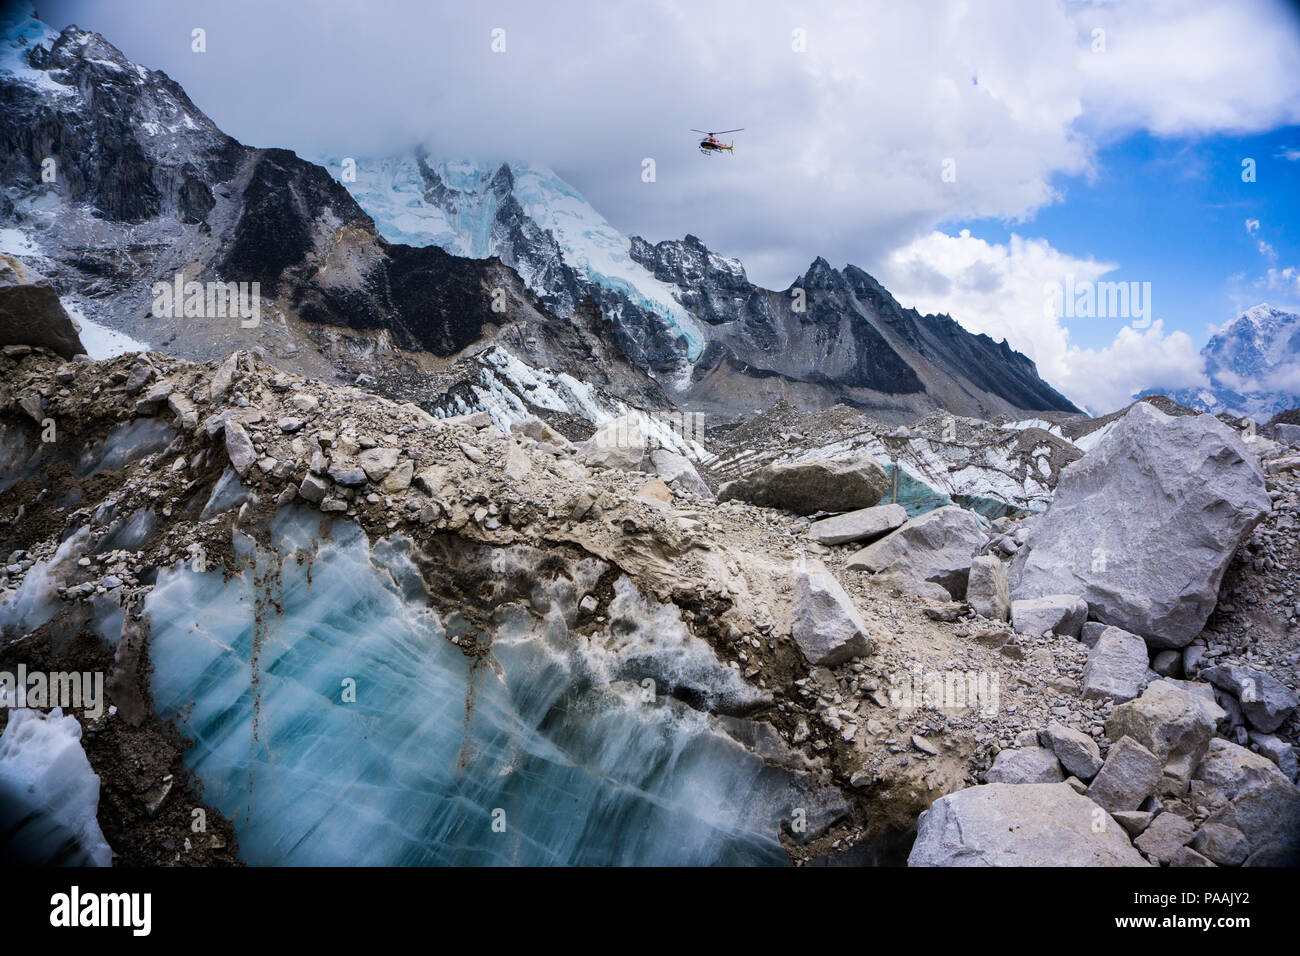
x,y
721,131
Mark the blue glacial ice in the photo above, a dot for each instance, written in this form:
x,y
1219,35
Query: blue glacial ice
x,y
579,740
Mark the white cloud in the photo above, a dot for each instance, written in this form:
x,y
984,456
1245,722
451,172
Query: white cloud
x,y
1289,154
844,144
1003,290
1252,226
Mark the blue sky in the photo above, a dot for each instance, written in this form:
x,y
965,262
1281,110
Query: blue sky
x,y
1173,212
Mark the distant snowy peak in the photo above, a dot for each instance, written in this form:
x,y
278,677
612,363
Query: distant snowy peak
x,y
526,215
1253,366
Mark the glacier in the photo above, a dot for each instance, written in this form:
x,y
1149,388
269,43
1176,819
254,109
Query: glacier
x,y
463,219
339,717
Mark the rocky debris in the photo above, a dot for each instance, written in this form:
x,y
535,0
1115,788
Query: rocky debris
x,y
806,487
1129,775
1036,824
31,314
1117,666
826,626
1025,765
1265,701
1077,752
986,589
865,524
1245,791
1277,750
937,547
1061,613
1152,569
1174,723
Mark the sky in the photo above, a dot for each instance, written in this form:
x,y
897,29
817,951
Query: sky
x,y
973,156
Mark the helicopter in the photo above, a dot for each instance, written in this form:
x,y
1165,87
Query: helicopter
x,y
711,143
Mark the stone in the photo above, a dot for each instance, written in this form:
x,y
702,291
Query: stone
x,y
1062,613
1025,765
1129,775
399,479
224,377
1186,856
305,403
1144,525
1116,667
536,429
313,488
1172,722
1133,821
1163,838
655,491
819,484
619,444
1277,750
31,313
936,547
1167,663
1248,792
826,626
1287,434
1077,752
1226,846
239,447
1091,631
378,462
431,480
289,425
986,589
1035,824
865,524
347,475
1265,701
678,473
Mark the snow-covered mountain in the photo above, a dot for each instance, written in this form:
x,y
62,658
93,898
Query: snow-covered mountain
x,y
690,315
1253,366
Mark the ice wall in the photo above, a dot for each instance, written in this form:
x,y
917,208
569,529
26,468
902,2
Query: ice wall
x,y
574,742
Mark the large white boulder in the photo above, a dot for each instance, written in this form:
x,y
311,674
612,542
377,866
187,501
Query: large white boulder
x,y
1031,824
1145,524
937,547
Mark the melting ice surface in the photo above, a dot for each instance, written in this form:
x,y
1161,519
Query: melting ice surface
x,y
549,732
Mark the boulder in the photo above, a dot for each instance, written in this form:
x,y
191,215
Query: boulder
x,y
1025,765
1266,702
1287,434
31,313
378,462
1277,750
1077,752
1145,524
1116,667
1062,613
826,626
1035,824
986,589
1225,846
678,473
239,447
1130,774
1166,835
865,524
1247,792
806,487
619,444
1173,723
936,547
